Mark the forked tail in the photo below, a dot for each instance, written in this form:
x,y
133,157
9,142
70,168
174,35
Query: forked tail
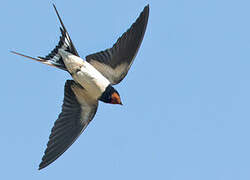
x,y
54,58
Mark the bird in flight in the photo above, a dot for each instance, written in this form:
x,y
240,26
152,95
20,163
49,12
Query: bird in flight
x,y
93,80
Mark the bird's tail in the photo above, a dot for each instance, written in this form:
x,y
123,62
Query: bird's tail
x,y
54,58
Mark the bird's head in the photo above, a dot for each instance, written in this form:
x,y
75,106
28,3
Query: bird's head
x,y
110,95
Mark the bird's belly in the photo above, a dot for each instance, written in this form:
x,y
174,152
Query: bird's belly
x,y
91,79
85,74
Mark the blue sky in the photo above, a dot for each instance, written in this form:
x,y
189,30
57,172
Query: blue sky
x,y
186,97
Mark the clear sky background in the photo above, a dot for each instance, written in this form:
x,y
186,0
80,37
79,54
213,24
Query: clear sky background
x,y
186,97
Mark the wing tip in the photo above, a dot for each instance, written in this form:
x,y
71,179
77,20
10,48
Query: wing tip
x,y
145,11
46,162
43,164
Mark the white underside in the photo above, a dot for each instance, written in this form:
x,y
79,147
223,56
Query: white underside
x,y
85,74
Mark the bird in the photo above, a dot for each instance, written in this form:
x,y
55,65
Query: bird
x,y
93,80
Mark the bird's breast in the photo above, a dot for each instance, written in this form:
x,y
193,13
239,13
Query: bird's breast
x,y
91,79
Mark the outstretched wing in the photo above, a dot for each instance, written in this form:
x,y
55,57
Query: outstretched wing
x,y
77,111
115,62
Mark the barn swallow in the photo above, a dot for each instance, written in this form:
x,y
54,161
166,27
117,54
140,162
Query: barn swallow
x,y
93,80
